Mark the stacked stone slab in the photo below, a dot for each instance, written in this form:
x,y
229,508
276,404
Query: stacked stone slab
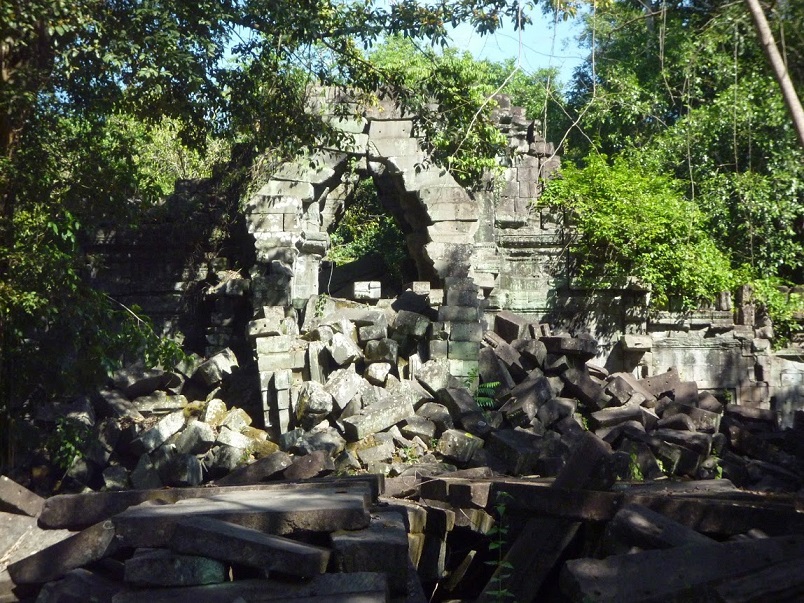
x,y
279,355
459,330
218,544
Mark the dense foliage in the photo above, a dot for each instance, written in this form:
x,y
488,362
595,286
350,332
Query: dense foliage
x,y
684,89
631,224
84,85
366,229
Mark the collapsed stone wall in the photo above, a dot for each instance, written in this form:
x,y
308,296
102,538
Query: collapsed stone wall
x,y
513,251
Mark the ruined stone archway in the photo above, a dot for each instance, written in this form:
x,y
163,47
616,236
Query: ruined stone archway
x,y
493,236
291,214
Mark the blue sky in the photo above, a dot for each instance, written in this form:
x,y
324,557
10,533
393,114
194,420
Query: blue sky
x,y
540,43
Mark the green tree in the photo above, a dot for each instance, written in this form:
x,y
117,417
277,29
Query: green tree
x,y
84,84
684,89
632,224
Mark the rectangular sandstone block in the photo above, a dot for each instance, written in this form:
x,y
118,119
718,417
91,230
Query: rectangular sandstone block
x,y
236,544
15,498
278,512
359,587
92,544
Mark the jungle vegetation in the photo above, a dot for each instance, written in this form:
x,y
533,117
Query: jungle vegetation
x,y
674,117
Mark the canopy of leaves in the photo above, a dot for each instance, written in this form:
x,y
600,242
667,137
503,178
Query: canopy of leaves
x,y
684,88
634,224
88,89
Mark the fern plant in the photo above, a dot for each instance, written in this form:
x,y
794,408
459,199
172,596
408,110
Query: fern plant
x,y
499,536
485,395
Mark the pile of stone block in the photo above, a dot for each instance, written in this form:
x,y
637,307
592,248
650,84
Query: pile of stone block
x,y
325,541
392,389
558,468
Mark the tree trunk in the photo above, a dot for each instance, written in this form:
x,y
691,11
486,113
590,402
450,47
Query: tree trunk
x,y
791,99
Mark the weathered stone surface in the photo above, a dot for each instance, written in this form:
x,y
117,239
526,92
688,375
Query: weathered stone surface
x,y
677,421
56,560
335,588
556,409
777,582
159,433
376,454
617,414
438,414
159,567
418,426
16,499
314,402
343,385
580,385
215,369
376,417
236,544
80,585
159,402
433,374
661,384
343,349
510,326
458,445
116,477
585,349
181,470
112,403
699,442
136,380
517,449
382,350
411,324
214,412
381,547
196,438
327,439
459,402
229,437
272,512
260,470
704,420
625,578
491,370
377,373
638,526
145,474
318,462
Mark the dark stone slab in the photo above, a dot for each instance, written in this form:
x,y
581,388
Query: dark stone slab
x,y
630,578
160,567
585,349
578,384
283,512
332,588
318,462
381,547
55,561
14,498
262,469
73,511
236,544
79,585
661,384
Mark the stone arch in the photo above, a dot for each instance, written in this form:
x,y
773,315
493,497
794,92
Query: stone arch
x,y
289,217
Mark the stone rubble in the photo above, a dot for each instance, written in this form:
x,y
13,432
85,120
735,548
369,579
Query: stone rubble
x,y
429,407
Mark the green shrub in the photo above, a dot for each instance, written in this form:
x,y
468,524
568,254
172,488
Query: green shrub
x,y
782,308
629,223
366,229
